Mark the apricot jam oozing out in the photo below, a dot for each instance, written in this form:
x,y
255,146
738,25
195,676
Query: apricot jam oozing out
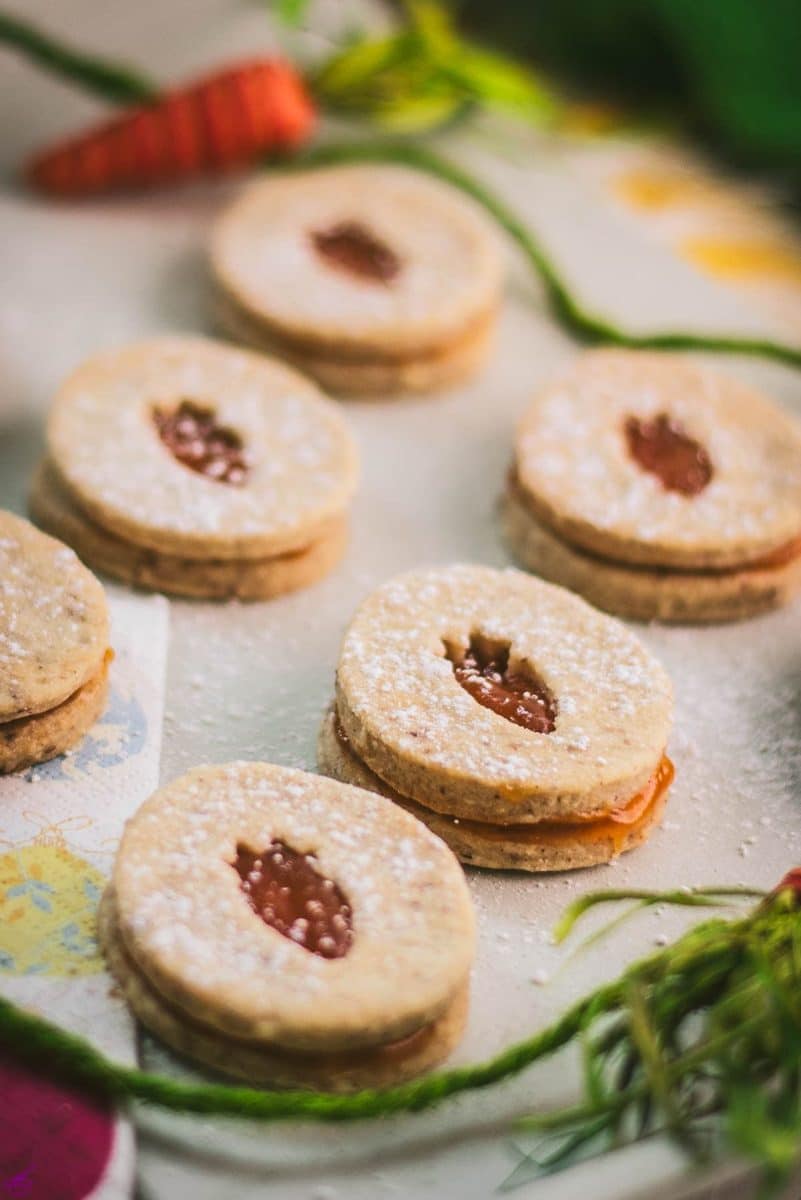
x,y
353,248
290,895
617,825
483,671
662,447
191,434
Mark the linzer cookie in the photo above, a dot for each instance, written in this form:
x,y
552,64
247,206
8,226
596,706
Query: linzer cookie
x,y
54,646
373,279
525,728
290,930
658,490
185,466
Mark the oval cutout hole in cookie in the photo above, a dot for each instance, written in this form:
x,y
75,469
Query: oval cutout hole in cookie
x,y
286,890
663,448
482,669
191,434
351,247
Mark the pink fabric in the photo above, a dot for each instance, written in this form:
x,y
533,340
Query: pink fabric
x,y
54,1144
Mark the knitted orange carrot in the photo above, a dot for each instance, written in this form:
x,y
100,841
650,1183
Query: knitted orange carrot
x,y
412,79
215,123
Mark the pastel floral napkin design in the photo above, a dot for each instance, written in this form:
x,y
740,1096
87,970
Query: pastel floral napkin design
x,y
59,827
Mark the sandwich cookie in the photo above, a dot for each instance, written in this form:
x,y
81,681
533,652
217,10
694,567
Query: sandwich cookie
x,y
525,728
54,646
658,489
185,466
289,930
373,279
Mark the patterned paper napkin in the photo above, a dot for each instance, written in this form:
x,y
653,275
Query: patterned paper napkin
x,y
59,826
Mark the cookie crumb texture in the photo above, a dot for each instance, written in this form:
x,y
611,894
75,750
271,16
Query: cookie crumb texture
x,y
54,632
344,960
373,278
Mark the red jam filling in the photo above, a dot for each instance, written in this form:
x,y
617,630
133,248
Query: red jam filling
x,y
662,447
483,671
290,895
191,434
355,249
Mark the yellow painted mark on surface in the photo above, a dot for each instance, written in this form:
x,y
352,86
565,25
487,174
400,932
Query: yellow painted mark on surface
x,y
655,189
745,259
48,904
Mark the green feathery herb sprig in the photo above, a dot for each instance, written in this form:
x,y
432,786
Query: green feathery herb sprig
x,y
701,1040
113,81
569,310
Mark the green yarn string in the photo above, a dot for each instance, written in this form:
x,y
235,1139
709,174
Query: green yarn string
x,y
586,325
113,81
67,1057
706,1028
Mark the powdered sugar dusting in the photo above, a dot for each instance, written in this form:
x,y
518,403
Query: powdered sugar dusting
x,y
104,442
186,919
572,458
53,622
613,699
450,267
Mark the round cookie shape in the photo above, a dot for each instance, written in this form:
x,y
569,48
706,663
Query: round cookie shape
x,y
410,720
54,626
576,463
186,923
106,445
269,254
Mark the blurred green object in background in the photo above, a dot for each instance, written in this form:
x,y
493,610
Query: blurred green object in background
x,y
730,70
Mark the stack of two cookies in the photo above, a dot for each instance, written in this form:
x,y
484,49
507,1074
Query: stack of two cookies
x,y
525,728
658,489
287,929
372,279
192,468
54,646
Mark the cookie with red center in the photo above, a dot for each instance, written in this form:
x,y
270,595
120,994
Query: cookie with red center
x,y
190,467
658,489
525,727
54,646
374,279
285,928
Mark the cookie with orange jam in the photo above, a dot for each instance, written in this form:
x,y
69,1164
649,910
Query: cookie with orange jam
x,y
54,646
290,930
658,490
373,279
527,729
186,466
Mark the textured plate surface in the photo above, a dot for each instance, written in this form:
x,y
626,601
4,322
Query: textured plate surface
x,y
253,681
